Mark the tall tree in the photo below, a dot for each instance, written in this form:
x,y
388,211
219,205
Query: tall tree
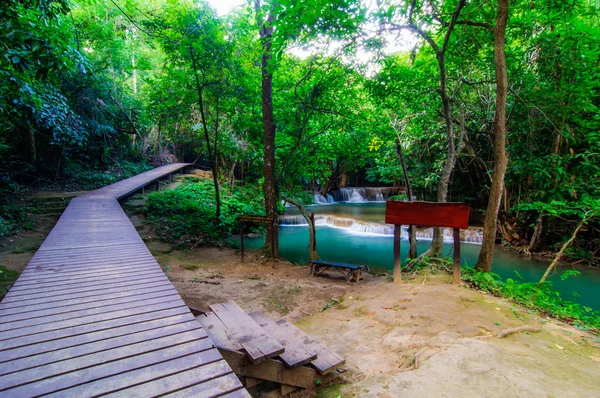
x,y
265,24
484,262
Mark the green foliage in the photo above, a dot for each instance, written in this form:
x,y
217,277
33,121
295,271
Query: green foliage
x,y
78,177
7,277
185,215
13,219
541,297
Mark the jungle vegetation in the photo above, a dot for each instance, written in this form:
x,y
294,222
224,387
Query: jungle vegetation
x,y
494,103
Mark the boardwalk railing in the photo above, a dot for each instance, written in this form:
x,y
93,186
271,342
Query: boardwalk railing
x,y
94,314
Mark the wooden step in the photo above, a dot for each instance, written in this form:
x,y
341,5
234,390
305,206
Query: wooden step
x,y
218,333
295,354
254,339
326,361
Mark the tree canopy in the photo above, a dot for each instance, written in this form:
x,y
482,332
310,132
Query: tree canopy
x,y
89,84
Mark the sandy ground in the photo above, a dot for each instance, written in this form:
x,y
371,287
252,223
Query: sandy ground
x,y
424,337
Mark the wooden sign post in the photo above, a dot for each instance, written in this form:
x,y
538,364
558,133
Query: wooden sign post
x,y
260,219
427,214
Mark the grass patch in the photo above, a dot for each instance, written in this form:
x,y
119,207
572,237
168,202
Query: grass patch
x,y
540,297
333,303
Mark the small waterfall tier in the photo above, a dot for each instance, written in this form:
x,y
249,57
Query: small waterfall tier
x,y
357,195
472,235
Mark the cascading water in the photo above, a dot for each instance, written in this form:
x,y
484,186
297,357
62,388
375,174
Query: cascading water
x,y
320,199
360,195
373,228
356,197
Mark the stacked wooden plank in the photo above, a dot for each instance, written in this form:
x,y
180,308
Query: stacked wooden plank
x,y
259,348
94,314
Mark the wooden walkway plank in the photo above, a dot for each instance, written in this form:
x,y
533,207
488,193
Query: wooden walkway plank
x,y
295,354
75,293
41,347
85,287
89,300
77,382
256,342
220,336
67,298
9,324
214,378
97,346
326,360
106,303
214,388
112,360
79,330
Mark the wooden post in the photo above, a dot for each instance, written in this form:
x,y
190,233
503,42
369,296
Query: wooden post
x,y
397,261
456,276
158,185
242,238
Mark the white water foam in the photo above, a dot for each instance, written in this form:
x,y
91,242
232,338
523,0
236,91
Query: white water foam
x,y
377,229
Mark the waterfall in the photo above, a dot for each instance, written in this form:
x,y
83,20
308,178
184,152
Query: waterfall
x,y
354,226
320,199
356,197
330,199
366,194
474,235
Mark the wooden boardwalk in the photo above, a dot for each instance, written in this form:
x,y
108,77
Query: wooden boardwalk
x,y
94,314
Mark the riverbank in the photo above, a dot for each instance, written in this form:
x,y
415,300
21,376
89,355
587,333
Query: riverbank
x,y
396,338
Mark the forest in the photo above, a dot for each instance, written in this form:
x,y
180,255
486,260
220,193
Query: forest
x,y
194,197
495,105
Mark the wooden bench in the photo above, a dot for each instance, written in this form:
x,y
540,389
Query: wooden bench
x,y
352,272
261,349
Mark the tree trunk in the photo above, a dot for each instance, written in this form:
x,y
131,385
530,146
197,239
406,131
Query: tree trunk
x,y
270,183
211,159
442,194
537,232
312,234
438,238
412,230
32,147
344,177
484,262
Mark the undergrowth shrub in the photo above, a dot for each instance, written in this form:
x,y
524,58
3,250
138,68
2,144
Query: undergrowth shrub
x,y
78,177
541,297
13,219
185,215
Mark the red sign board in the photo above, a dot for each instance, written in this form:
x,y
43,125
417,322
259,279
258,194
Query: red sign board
x,y
427,214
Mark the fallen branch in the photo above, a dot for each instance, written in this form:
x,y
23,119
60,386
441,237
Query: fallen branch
x,y
584,221
520,329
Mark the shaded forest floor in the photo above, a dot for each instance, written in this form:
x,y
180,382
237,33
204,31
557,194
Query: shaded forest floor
x,y
424,337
